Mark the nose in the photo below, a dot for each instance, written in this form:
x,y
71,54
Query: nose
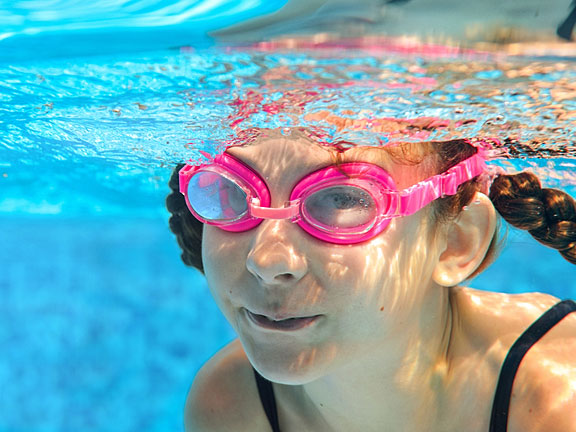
x,y
275,258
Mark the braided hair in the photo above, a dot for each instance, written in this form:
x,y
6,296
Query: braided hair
x,y
549,215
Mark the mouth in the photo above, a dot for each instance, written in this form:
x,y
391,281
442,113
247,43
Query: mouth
x,y
288,324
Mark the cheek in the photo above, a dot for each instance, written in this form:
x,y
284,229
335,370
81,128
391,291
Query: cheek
x,y
224,259
222,249
410,266
388,273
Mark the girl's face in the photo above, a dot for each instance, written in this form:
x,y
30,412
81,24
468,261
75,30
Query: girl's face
x,y
351,301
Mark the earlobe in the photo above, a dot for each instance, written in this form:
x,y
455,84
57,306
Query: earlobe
x,y
467,241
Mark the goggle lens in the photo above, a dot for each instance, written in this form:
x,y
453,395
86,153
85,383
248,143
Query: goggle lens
x,y
340,207
217,198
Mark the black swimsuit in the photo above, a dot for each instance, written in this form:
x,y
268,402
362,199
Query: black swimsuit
x,y
501,405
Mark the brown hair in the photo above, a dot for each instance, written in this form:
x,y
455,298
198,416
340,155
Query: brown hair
x,y
549,215
187,228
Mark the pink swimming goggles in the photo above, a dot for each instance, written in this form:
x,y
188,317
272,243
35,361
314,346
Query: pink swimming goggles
x,y
344,204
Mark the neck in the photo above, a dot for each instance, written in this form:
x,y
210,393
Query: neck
x,y
399,388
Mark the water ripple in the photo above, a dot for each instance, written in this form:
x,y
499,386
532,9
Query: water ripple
x,y
120,124
32,17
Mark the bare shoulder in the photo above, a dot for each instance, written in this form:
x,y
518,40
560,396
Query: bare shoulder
x,y
224,396
499,317
544,392
544,395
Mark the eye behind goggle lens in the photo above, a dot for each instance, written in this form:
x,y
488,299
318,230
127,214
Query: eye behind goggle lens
x,y
216,198
341,207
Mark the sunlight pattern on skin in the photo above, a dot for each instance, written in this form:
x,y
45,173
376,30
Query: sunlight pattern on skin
x,y
529,307
477,300
380,288
549,390
315,293
565,389
336,268
379,306
308,357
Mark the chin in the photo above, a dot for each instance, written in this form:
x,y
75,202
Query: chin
x,y
286,376
286,366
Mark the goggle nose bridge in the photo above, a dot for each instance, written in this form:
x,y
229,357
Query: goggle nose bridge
x,y
291,210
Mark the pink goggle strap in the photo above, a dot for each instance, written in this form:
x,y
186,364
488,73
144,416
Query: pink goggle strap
x,y
421,194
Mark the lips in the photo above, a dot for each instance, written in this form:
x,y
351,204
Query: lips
x,y
288,324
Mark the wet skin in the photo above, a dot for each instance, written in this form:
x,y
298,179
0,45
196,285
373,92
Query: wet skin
x,y
385,340
359,294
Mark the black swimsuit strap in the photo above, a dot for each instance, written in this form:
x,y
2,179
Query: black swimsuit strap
x,y
501,406
266,392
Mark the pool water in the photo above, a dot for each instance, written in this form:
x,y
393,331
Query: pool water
x,y
103,327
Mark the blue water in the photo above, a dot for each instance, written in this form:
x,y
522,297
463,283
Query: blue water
x,y
66,28
102,327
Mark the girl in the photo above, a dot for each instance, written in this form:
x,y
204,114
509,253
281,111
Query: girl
x,y
341,272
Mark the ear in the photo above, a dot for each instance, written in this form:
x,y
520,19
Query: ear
x,y
467,241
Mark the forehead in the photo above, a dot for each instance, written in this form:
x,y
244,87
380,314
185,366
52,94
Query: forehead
x,y
292,157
